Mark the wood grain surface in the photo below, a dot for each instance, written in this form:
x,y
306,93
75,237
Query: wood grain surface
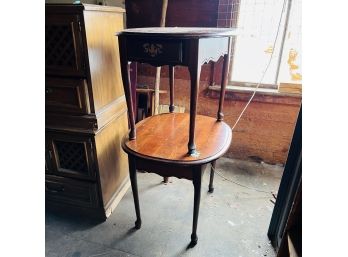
x,y
103,56
181,32
164,137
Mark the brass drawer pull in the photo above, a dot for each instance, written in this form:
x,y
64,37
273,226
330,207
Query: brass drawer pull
x,y
152,49
159,51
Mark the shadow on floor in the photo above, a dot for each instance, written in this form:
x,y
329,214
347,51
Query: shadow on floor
x,y
233,221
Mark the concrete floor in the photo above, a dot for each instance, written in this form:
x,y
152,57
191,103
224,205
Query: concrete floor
x,y
233,221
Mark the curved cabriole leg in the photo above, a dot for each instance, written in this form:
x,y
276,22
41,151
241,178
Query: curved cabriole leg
x,y
133,179
197,179
220,115
195,72
211,181
127,86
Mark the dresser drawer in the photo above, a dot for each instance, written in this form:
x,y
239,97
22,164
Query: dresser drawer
x,y
67,96
71,155
71,191
155,50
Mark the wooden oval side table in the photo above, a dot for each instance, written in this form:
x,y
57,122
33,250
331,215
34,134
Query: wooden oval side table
x,y
176,144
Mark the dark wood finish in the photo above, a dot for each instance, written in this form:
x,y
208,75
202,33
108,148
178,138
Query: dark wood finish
x,y
127,88
145,50
163,169
180,13
179,32
133,179
159,145
71,155
133,73
171,88
198,46
86,114
171,104
197,182
211,180
220,115
163,138
195,73
64,51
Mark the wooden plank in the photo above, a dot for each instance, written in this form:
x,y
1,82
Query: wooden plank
x,y
158,69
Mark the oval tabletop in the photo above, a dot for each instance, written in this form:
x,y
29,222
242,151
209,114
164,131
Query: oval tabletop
x,y
179,32
165,137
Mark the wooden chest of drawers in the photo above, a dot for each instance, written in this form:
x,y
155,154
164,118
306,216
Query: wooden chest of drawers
x,y
86,169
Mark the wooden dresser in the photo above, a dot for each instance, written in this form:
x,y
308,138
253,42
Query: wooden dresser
x,y
86,114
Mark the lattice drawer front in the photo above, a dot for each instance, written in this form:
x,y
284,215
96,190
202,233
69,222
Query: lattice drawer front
x,y
72,156
60,49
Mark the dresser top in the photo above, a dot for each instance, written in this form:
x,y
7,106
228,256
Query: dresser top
x,y
81,7
179,32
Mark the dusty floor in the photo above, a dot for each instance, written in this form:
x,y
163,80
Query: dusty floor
x,y
233,221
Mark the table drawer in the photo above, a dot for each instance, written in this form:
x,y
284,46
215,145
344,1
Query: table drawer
x,y
155,51
67,96
71,191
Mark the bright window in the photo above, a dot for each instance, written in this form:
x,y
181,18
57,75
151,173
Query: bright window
x,y
258,22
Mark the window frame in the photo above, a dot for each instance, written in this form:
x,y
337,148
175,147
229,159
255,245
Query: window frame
x,y
234,24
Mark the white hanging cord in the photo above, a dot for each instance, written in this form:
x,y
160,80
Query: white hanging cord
x,y
255,189
268,64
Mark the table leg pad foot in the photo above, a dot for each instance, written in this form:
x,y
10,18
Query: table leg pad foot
x,y
138,224
194,240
